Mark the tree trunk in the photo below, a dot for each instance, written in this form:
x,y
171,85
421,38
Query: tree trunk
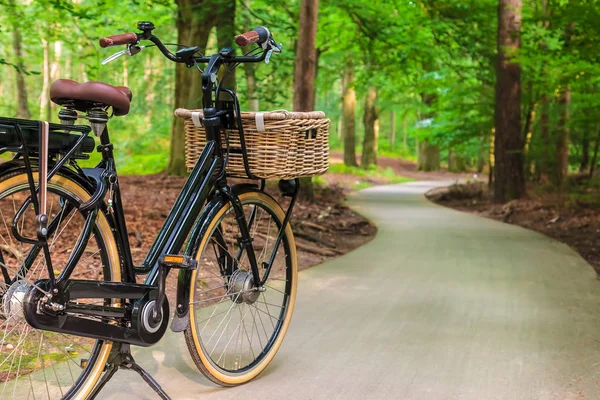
x,y
509,170
428,154
392,129
404,131
126,73
369,153
456,163
249,68
305,70
55,72
225,24
562,141
585,152
452,161
252,93
349,117
45,107
544,163
428,157
561,172
23,106
193,27
195,19
481,157
595,156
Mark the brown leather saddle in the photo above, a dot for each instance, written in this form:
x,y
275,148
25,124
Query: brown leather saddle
x,y
84,96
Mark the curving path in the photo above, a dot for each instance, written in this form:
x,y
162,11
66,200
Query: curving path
x,y
441,305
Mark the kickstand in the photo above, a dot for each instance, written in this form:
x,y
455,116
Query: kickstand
x,y
124,360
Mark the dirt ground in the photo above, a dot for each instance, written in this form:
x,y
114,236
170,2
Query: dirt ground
x,y
573,219
324,229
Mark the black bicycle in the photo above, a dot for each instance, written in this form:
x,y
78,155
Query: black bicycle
x,y
71,305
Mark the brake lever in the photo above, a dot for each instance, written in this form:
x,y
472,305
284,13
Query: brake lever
x,y
274,47
131,50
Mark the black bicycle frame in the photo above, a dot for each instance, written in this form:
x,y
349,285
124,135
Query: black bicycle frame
x,y
206,184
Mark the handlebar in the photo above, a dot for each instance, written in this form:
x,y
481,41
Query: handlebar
x,y
258,35
115,40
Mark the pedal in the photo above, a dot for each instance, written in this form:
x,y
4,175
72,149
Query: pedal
x,y
178,262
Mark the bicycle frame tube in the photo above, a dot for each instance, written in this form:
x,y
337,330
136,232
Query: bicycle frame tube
x,y
183,214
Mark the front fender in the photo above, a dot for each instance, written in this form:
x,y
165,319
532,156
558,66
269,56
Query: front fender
x,y
181,320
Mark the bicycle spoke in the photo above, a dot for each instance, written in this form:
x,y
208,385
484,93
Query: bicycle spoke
x,y
37,364
231,327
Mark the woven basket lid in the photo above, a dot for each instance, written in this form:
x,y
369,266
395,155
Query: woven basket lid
x,y
278,115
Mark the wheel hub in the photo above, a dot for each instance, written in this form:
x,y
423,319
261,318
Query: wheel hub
x,y
14,299
241,287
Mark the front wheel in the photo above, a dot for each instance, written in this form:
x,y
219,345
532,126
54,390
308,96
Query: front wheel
x,y
235,331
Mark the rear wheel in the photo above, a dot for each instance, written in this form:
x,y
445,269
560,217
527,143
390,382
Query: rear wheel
x,y
234,330
37,364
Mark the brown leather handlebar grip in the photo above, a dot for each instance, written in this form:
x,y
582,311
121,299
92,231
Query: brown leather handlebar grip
x,y
247,38
125,38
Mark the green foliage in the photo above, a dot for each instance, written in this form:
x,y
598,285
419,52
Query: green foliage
x,y
430,60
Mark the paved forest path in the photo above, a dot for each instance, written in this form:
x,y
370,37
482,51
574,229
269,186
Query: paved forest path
x,y
441,305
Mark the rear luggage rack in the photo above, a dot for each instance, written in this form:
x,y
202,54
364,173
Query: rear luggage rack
x,y
61,140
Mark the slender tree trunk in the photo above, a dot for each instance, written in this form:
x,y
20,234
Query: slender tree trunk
x,y
305,70
585,152
349,116
491,161
452,161
595,156
509,168
369,153
543,167
251,91
481,157
148,90
249,68
428,154
392,129
55,71
562,141
456,162
45,107
225,24
23,106
126,73
544,159
405,131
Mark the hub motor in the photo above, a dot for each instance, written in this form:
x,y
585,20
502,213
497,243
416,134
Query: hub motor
x,y
241,287
13,299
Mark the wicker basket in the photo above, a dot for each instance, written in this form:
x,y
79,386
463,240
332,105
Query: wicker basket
x,y
279,144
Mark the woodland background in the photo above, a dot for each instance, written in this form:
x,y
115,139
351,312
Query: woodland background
x,y
507,88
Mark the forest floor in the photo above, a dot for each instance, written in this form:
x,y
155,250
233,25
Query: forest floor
x,y
324,229
572,218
